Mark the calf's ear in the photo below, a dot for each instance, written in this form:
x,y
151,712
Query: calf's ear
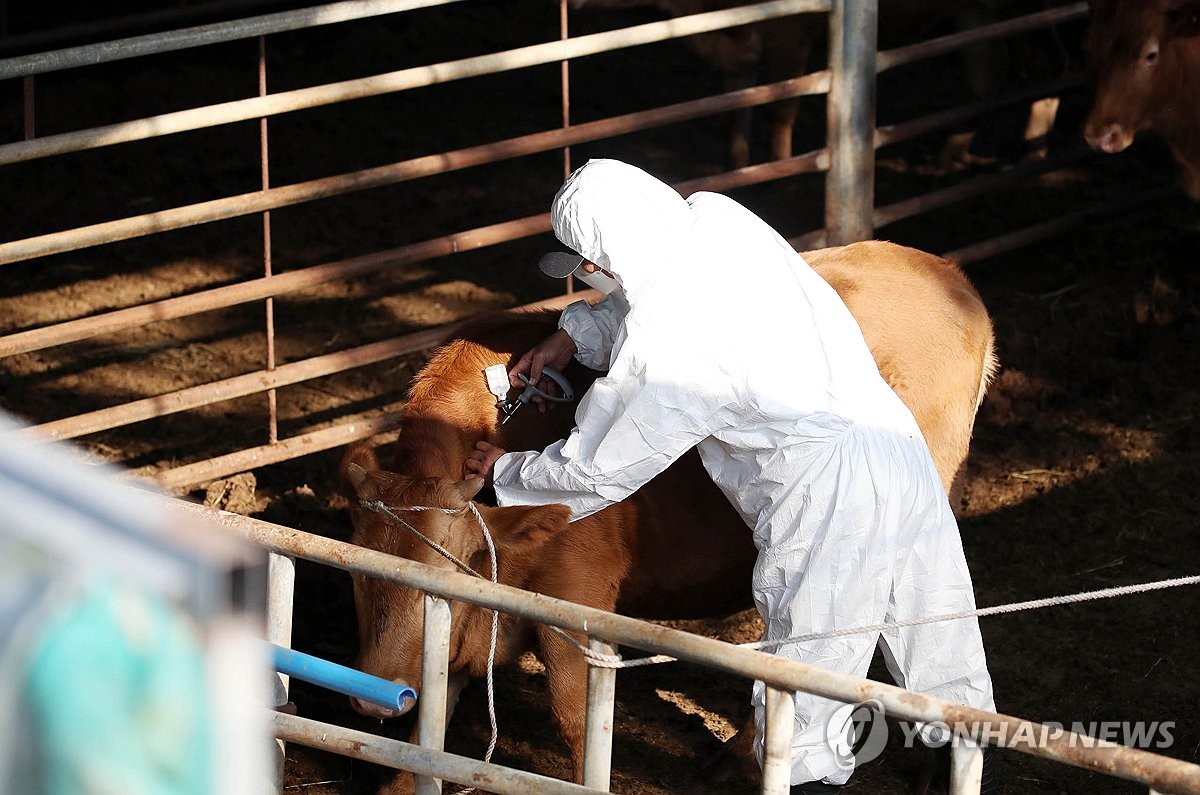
x,y
522,529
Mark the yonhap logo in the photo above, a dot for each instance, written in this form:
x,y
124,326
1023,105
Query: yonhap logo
x,y
856,733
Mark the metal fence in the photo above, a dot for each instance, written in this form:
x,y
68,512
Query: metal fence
x,y
970,727
848,158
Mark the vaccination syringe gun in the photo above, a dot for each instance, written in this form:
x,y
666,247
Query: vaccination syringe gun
x,y
499,385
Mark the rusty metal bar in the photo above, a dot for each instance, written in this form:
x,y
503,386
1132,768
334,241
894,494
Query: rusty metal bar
x,y
41,40
252,383
28,118
269,303
402,80
850,184
405,756
279,284
354,430
435,679
779,728
249,203
235,387
889,59
598,732
1030,234
974,187
565,81
806,163
966,767
1166,773
903,131
217,33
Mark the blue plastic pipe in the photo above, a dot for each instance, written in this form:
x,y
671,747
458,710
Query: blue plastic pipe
x,y
341,679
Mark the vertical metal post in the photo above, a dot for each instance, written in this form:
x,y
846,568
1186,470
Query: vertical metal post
x,y
598,738
777,742
565,78
435,675
850,184
966,766
27,92
281,588
272,405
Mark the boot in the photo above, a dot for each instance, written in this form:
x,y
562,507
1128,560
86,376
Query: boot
x,y
987,781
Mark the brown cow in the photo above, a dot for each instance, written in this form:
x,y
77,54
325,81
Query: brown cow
x,y
1144,56
614,560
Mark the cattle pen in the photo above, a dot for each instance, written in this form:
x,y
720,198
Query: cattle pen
x,y
159,191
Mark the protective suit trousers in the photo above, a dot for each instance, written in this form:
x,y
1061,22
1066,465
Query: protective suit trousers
x,y
866,536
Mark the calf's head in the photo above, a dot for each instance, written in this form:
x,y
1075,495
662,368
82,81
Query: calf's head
x,y
391,615
1138,52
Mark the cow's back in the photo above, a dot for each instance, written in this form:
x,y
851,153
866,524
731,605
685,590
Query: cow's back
x,y
929,332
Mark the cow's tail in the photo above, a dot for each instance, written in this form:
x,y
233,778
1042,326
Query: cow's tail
x,y
991,365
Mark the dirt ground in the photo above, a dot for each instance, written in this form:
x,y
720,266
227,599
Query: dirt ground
x,y
1083,466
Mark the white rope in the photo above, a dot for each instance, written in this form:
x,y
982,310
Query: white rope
x,y
601,660
615,661
378,507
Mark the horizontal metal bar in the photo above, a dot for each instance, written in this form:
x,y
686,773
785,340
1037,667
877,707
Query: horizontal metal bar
x,y
425,761
238,386
202,35
898,56
1030,234
806,163
402,80
51,38
269,286
903,131
253,383
1172,775
974,187
354,429
393,173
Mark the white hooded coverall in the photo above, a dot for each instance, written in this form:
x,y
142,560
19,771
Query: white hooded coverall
x,y
726,340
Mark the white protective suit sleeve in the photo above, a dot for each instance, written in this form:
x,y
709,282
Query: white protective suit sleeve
x,y
630,426
593,328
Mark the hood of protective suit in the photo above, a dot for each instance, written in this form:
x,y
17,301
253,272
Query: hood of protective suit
x,y
625,221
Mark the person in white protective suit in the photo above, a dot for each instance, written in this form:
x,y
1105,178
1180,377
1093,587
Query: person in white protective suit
x,y
720,336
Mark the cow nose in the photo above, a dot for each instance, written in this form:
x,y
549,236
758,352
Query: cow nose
x,y
371,710
1111,139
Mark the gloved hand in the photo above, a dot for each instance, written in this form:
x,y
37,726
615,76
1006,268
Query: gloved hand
x,y
554,351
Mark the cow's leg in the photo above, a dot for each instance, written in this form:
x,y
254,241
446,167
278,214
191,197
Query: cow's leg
x,y
787,45
737,761
1189,176
566,676
740,130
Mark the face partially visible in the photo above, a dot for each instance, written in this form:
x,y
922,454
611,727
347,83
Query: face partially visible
x,y
587,266
597,278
